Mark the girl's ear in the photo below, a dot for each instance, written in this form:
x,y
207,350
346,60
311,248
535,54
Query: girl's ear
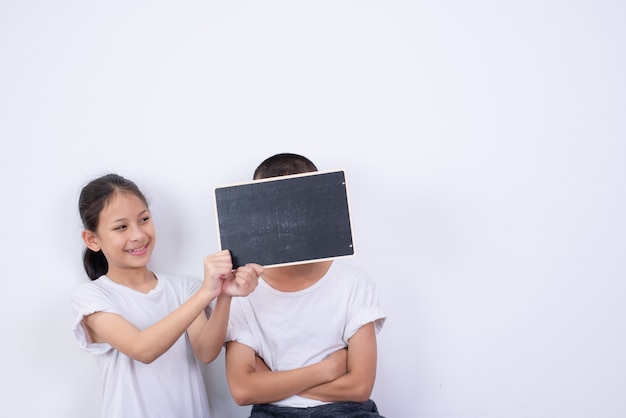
x,y
89,238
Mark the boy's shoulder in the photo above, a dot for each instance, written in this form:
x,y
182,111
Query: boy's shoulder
x,y
349,274
343,269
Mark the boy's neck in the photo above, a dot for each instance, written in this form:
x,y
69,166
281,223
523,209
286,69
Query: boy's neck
x,y
296,277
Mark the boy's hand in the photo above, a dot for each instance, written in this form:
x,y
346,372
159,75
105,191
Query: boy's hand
x,y
337,363
243,281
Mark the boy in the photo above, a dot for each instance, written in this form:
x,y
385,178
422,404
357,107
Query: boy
x,y
304,343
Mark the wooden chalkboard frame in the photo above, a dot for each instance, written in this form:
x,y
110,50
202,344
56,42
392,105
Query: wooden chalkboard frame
x,y
265,221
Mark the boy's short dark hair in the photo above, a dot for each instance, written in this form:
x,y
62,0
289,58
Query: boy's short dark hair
x,y
282,165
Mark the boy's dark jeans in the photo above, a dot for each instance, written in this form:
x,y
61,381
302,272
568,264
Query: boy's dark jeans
x,y
332,410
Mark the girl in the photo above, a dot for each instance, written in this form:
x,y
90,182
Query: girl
x,y
148,331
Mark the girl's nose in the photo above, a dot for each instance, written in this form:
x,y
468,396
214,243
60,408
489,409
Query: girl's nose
x,y
136,234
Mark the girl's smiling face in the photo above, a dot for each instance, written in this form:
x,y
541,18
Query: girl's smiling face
x,y
125,233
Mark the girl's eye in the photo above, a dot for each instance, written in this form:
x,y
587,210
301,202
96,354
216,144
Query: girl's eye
x,y
120,228
144,220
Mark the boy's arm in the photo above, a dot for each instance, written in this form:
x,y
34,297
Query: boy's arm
x,y
357,384
251,384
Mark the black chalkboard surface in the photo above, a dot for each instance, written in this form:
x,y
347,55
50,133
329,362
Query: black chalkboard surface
x,y
285,220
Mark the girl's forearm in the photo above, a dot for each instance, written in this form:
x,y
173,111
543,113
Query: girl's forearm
x,y
208,344
155,340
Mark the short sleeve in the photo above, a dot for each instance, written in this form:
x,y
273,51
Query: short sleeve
x,y
87,300
238,328
365,308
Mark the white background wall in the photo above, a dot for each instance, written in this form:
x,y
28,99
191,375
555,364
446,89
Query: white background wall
x,y
484,144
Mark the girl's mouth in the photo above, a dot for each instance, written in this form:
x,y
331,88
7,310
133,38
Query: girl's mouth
x,y
138,251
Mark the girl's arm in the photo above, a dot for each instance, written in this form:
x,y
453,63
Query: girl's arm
x,y
250,382
207,336
149,344
357,384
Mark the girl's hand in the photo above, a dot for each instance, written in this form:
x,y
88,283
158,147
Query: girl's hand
x,y
218,268
243,281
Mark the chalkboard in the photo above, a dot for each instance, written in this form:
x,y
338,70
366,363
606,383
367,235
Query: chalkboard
x,y
285,220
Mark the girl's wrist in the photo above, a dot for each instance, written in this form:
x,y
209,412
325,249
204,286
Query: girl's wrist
x,y
208,295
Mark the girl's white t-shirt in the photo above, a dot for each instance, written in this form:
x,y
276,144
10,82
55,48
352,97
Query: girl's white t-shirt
x,y
170,386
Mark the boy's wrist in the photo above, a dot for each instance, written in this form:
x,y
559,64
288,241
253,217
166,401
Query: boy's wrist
x,y
224,300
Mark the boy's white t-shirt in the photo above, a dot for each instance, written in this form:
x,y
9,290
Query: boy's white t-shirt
x,y
290,330
170,386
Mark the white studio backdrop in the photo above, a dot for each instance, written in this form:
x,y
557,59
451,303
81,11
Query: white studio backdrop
x,y
484,146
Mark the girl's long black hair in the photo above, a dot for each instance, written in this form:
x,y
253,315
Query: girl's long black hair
x,y
93,199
